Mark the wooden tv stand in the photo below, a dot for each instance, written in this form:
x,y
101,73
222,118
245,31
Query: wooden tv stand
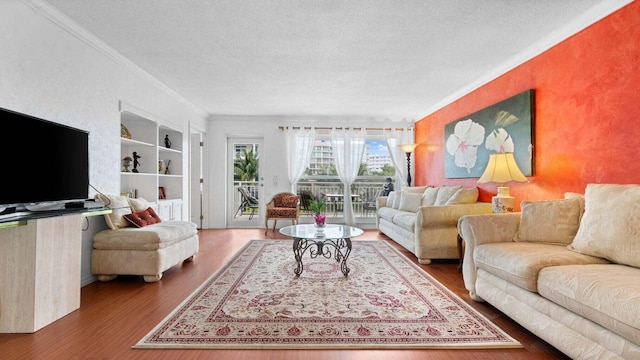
x,y
40,268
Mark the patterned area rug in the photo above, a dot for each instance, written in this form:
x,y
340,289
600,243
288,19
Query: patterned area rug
x,y
386,301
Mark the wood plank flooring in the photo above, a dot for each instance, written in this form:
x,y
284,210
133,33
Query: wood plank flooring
x,y
114,315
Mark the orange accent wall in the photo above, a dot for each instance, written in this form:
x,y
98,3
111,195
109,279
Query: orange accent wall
x,y
587,113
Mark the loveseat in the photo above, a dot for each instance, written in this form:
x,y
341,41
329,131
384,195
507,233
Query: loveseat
x,y
568,270
138,242
424,219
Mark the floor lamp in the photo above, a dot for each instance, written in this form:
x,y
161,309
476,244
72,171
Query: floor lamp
x,y
501,169
408,149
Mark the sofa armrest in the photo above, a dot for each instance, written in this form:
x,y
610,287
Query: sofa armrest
x,y
483,229
448,215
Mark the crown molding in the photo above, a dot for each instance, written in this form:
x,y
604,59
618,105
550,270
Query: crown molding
x,y
66,23
590,17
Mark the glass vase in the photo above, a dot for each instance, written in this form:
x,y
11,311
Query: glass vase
x,y
319,221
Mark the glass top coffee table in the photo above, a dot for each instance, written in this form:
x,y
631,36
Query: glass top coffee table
x,y
330,241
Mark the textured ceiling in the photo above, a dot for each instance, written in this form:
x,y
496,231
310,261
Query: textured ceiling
x,y
386,59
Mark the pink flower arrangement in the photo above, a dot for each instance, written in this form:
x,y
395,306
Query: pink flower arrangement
x,y
320,219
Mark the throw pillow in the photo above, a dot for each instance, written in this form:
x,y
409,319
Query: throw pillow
x,y
391,198
429,196
415,189
610,227
410,201
138,204
580,197
119,208
445,193
143,218
396,200
550,221
464,196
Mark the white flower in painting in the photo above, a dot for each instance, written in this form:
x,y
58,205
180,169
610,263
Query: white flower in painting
x,y
463,143
500,141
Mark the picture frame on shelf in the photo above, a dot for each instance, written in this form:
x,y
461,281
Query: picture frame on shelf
x,y
161,193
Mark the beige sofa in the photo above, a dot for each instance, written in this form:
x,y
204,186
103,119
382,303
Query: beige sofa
x,y
567,270
149,250
424,219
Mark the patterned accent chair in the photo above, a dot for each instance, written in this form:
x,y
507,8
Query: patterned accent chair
x,y
282,206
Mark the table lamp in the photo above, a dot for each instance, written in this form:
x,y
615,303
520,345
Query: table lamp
x,y
408,149
502,168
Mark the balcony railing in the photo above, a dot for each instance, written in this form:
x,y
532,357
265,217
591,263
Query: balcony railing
x,y
364,192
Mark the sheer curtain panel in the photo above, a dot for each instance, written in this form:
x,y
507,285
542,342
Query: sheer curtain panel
x,y
299,147
348,148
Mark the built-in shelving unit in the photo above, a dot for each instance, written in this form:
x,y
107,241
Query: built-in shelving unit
x,y
158,175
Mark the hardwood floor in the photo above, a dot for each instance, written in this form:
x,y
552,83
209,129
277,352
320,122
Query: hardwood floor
x,y
114,315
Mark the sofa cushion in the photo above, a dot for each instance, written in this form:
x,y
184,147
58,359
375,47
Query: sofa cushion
x,y
610,226
405,220
445,193
152,237
429,196
119,206
143,218
605,294
410,201
138,204
520,262
464,196
551,221
388,213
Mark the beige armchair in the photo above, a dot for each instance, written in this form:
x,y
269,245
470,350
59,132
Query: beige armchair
x,y
282,206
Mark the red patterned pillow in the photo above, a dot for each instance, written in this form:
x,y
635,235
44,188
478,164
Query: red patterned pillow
x,y
143,218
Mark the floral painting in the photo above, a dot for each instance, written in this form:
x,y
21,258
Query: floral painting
x,y
502,127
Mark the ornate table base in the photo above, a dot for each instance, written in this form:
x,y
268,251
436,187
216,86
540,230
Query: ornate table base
x,y
322,247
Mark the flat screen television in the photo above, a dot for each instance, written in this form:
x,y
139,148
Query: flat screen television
x,y
43,161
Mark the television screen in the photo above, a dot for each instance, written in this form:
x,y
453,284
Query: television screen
x,y
44,161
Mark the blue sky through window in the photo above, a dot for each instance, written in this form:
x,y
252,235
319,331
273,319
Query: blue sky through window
x,y
378,148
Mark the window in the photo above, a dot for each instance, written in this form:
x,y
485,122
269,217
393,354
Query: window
x,y
321,177
376,160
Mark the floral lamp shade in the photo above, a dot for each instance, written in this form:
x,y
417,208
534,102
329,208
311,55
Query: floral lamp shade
x,y
502,168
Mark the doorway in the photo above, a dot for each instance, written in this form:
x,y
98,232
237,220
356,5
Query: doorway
x,y
196,179
245,190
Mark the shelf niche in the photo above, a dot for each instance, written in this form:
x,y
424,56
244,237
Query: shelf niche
x,y
147,140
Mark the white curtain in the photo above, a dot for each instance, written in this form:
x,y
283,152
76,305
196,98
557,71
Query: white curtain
x,y
348,148
299,147
394,138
